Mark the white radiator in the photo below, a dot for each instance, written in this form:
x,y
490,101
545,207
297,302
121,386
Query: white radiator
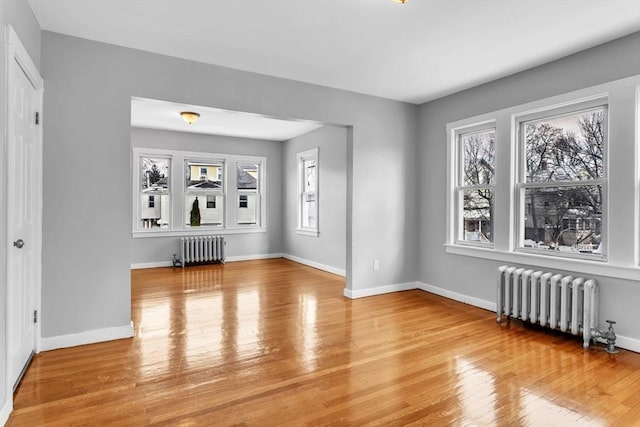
x,y
559,302
201,249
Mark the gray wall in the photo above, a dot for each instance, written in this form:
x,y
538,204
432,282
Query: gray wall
x,y
476,277
18,14
158,249
86,259
329,247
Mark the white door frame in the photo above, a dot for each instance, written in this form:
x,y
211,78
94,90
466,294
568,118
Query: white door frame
x,y
16,53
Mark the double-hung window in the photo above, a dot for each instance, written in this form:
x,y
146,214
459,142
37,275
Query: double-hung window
x,y
248,191
204,188
154,192
308,192
562,180
475,185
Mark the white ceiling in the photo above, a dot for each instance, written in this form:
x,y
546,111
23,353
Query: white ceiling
x,y
414,52
149,113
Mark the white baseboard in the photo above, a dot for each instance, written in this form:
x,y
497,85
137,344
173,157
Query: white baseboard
x,y
323,267
140,265
466,299
252,257
6,409
379,290
87,337
627,343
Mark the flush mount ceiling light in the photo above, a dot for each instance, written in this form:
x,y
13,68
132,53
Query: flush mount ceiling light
x,y
190,117
402,1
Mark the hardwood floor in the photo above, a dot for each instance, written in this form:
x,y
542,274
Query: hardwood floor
x,y
272,342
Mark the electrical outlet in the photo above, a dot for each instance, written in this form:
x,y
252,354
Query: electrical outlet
x,y
376,265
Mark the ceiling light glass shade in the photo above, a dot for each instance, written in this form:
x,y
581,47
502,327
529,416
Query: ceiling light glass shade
x,y
190,117
402,1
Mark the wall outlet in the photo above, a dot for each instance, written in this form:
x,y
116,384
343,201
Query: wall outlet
x,y
376,265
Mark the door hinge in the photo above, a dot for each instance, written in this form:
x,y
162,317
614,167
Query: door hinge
x,y
35,316
37,118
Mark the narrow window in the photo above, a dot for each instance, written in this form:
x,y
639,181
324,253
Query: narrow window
x,y
204,184
475,186
248,188
308,192
155,198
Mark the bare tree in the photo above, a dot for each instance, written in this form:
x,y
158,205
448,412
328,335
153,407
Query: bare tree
x,y
557,154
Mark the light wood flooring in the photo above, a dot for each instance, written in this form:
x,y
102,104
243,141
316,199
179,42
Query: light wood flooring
x,y
275,343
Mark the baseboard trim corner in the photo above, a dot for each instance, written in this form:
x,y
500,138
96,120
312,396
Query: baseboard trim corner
x,y
319,266
5,411
379,290
87,337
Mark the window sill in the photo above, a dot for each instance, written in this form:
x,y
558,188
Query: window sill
x,y
189,232
312,233
597,267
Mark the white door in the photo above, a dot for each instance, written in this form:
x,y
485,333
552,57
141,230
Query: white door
x,y
24,194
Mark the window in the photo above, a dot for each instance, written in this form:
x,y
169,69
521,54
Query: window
x,y
563,179
248,185
204,183
200,197
475,185
155,197
308,192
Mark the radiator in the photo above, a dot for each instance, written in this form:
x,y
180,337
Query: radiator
x,y
552,300
201,249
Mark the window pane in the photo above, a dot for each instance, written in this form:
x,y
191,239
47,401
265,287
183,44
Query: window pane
x,y
478,215
210,208
565,148
566,219
247,176
154,174
204,176
309,210
247,211
154,210
309,167
478,151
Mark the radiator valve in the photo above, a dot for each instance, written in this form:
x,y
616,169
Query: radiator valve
x,y
176,261
610,337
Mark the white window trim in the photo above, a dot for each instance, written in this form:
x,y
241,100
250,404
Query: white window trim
x,y
624,128
300,158
178,192
458,221
521,184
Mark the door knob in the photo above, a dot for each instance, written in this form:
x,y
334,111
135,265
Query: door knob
x,y
18,243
